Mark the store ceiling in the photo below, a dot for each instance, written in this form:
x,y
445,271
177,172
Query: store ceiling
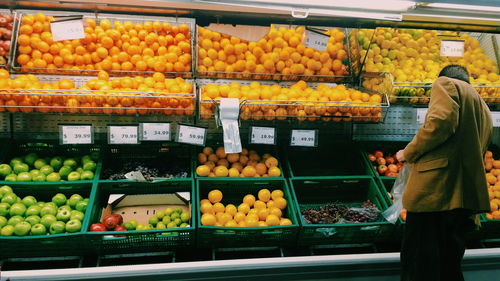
x,y
484,16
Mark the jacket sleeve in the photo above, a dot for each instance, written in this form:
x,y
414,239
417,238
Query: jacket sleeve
x,y
440,123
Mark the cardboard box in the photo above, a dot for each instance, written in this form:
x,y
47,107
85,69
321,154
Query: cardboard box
x,y
142,207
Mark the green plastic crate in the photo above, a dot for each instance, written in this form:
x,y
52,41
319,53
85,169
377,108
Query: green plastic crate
x,y
386,147
233,192
341,159
158,153
121,242
48,149
66,244
313,193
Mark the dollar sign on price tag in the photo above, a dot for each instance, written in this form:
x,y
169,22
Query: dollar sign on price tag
x,y
262,135
495,116
308,138
154,131
123,134
191,135
421,113
75,134
67,29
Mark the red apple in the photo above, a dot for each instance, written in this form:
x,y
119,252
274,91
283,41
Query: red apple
x,y
382,169
381,161
120,228
110,221
391,174
378,154
119,217
393,168
390,160
96,227
400,166
372,157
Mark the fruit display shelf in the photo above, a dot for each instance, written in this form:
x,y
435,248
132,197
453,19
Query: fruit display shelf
x,y
353,192
80,99
6,34
237,237
48,245
372,110
116,31
280,55
151,240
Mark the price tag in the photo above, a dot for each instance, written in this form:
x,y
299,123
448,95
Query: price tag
x,y
75,134
316,40
123,135
154,131
191,135
452,48
262,135
421,112
495,115
308,138
67,29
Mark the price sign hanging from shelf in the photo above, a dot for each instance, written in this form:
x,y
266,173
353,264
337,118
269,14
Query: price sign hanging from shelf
x,y
307,138
316,40
495,116
67,28
452,48
123,135
154,131
191,135
262,135
75,134
421,113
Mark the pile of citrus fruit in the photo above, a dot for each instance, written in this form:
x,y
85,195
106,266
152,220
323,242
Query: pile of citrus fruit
x,y
244,164
110,46
281,51
299,101
121,95
492,167
265,210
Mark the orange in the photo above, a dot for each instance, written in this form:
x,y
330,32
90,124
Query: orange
x,y
244,208
231,209
285,221
215,196
264,195
274,172
280,202
278,193
206,208
219,208
203,170
208,219
259,205
221,171
239,217
263,213
272,220
261,169
249,171
249,199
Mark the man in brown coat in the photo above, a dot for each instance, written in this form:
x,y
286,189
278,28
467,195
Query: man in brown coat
x,y
447,184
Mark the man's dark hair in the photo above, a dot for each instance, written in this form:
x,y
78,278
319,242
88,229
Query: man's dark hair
x,y
456,72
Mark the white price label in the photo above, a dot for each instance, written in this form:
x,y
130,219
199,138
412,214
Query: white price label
x,y
67,29
155,131
262,135
192,135
75,134
496,118
452,48
304,138
421,113
123,135
316,41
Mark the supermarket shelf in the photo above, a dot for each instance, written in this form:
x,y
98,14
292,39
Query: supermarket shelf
x,y
480,264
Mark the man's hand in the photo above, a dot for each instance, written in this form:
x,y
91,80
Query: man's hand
x,y
401,156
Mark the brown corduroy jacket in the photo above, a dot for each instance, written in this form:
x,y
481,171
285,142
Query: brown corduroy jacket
x,y
447,152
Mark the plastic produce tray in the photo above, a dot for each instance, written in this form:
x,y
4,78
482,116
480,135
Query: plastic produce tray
x,y
65,244
235,237
314,193
6,57
156,240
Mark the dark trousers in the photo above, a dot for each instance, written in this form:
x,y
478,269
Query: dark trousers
x,y
434,245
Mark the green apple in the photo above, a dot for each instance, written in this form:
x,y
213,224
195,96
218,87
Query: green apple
x,y
16,160
140,227
11,177
90,166
87,175
46,170
94,155
73,226
178,210
160,215
34,173
185,217
64,171
130,225
63,215
171,225
4,209
74,176
52,204
17,209
56,162
85,159
33,210
59,199
53,177
15,220
40,177
177,221
183,225
48,210
48,220
3,221
32,220
64,207
166,220
7,230
149,227
38,229
40,204
168,211
21,167
24,176
161,225
153,221
5,189
77,215
29,201
81,206
39,163
174,216
5,170
9,198
30,158
22,228
74,199
79,170
70,162
57,227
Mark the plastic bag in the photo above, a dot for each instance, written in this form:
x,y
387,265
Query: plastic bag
x,y
392,213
